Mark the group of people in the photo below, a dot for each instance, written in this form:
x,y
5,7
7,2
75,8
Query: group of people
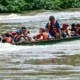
x,y
19,36
52,30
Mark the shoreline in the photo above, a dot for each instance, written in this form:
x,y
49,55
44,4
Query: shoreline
x,y
42,10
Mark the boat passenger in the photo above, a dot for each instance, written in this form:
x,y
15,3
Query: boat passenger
x,y
65,32
26,34
13,34
53,27
43,35
78,29
6,38
3,38
73,27
19,38
73,30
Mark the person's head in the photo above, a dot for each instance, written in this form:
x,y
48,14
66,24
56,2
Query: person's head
x,y
4,34
19,32
13,33
73,25
65,25
24,30
77,25
41,30
62,29
7,35
52,19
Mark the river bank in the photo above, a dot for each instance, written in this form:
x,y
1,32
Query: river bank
x,y
33,12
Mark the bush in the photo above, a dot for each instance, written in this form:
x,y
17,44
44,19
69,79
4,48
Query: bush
x,y
22,5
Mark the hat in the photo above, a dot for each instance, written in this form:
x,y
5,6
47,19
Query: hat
x,y
19,31
13,33
64,25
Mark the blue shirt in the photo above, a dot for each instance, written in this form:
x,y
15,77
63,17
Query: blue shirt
x,y
51,31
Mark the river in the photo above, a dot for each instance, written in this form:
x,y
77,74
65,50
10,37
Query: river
x,y
50,62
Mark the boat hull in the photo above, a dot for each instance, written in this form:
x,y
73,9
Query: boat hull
x,y
49,42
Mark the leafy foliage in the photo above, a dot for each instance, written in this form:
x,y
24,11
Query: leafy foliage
x,y
21,5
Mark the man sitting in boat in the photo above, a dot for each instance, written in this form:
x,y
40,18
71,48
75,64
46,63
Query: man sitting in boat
x,y
43,35
26,34
53,27
18,37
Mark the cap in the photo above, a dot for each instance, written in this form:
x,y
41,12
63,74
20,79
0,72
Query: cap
x,y
19,31
64,25
13,33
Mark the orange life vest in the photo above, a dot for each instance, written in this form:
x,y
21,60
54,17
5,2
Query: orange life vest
x,y
53,27
39,36
8,40
44,34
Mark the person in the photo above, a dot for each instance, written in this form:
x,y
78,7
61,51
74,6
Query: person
x,y
12,35
53,27
3,37
26,34
6,38
18,37
77,29
73,29
43,35
65,32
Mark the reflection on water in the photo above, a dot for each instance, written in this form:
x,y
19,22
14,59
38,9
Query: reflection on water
x,y
50,62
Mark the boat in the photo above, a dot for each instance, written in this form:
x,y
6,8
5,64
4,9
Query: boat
x,y
50,42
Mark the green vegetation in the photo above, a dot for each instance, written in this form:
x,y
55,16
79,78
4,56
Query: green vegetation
x,y
23,5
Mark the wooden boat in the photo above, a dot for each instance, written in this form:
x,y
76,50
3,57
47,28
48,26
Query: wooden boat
x,y
49,42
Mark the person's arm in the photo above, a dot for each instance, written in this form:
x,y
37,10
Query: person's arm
x,y
46,27
58,26
60,32
29,37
